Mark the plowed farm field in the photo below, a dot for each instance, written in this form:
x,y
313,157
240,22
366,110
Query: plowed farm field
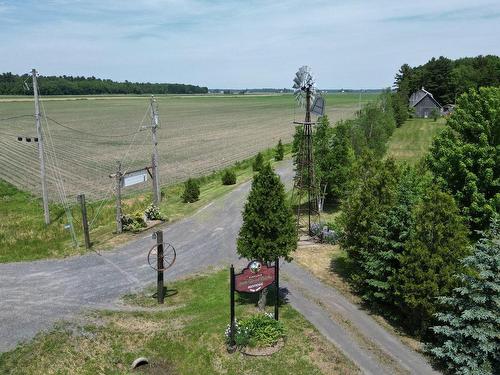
x,y
85,137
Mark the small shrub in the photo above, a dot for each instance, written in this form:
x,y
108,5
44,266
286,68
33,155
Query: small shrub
x,y
328,233
191,191
153,213
434,114
228,177
260,330
279,152
133,223
258,163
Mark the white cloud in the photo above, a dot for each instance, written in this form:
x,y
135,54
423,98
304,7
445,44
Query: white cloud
x,y
242,44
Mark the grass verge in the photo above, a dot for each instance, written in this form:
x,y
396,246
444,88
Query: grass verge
x,y
24,235
184,338
412,140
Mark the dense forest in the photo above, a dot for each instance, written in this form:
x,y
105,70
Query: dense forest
x,y
13,84
447,79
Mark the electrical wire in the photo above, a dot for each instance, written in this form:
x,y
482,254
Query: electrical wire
x,y
14,117
91,134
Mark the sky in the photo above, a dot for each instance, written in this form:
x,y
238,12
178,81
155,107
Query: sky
x,y
242,43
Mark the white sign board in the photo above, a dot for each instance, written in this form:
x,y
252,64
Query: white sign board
x,y
134,178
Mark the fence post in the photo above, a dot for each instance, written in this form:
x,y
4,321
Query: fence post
x,y
85,224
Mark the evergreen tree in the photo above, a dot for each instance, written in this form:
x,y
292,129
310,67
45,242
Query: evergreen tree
x,y
430,258
228,177
372,194
268,229
279,153
258,162
191,191
341,162
468,337
322,153
465,158
393,230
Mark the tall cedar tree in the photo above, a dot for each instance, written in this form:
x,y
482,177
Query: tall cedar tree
x,y
468,334
341,157
279,153
268,229
392,231
321,153
465,158
430,258
364,214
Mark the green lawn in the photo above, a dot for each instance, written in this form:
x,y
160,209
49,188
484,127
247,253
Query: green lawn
x,y
24,236
411,141
188,338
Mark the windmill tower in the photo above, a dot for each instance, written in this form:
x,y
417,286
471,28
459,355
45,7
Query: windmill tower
x,y
305,190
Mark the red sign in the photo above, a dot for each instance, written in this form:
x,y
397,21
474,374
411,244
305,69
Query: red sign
x,y
255,277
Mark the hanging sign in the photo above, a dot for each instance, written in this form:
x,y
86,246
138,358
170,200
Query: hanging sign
x,y
134,178
254,278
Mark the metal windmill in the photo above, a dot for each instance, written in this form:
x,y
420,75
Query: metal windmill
x,y
305,185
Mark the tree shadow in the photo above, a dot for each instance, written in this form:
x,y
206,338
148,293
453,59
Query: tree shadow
x,y
166,293
253,298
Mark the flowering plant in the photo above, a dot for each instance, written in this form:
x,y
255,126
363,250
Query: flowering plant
x,y
153,213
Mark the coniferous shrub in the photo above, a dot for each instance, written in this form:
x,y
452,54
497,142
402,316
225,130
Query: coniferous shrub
x,y
191,191
467,332
228,177
431,256
279,152
258,163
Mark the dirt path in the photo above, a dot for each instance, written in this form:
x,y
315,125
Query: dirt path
x,y
34,295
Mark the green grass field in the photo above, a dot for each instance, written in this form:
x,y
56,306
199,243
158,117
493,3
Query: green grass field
x,y
412,140
186,338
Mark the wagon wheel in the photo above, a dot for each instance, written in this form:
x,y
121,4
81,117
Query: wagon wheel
x,y
169,256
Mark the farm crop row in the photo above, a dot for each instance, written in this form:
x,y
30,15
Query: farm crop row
x,y
197,135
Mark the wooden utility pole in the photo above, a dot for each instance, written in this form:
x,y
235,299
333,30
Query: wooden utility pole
x,y
118,177
85,223
155,158
41,152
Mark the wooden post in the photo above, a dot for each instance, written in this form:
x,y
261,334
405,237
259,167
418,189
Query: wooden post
x,y
277,284
232,324
41,152
159,265
118,177
85,224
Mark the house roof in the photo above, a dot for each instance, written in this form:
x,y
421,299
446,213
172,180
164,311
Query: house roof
x,y
419,95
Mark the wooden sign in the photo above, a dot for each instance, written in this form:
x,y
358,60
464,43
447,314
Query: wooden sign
x,y
254,278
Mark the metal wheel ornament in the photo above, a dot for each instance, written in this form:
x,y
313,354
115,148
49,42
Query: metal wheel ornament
x,y
169,256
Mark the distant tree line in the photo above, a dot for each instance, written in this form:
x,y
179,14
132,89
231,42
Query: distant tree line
x,y
422,241
13,84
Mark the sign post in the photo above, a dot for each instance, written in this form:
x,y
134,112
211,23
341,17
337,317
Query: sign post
x,y
255,277
160,267
232,324
277,284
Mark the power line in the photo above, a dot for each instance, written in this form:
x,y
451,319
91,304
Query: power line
x,y
91,134
14,117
